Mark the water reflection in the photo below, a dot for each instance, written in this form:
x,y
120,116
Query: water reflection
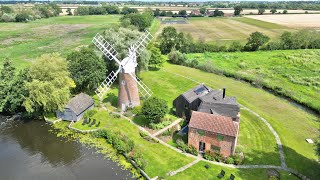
x,y
29,151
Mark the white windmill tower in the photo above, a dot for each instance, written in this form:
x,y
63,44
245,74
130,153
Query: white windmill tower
x,y
129,84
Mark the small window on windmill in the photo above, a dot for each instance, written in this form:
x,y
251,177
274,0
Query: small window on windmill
x,y
200,90
123,82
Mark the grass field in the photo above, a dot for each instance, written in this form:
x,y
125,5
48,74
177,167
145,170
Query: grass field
x,y
291,123
293,73
22,42
226,30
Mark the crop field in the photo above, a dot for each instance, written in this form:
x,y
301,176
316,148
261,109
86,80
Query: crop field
x,y
224,30
291,20
294,73
22,42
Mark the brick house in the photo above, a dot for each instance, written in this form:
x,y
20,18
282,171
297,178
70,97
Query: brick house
x,y
213,132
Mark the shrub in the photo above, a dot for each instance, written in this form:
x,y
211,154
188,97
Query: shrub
x,y
137,157
22,17
136,110
160,125
209,155
235,46
93,122
7,18
192,150
218,157
256,40
237,159
167,133
97,125
181,145
84,122
127,114
229,160
143,134
154,109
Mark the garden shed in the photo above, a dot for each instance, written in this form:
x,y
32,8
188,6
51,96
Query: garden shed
x,y
76,107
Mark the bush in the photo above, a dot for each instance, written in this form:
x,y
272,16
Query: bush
x,y
218,157
160,125
7,18
154,109
143,134
229,160
237,159
209,155
22,17
235,46
97,125
136,110
181,145
127,114
256,40
192,150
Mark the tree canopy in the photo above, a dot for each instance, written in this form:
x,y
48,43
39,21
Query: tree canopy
x,y
256,40
48,84
237,10
156,58
141,21
87,69
154,109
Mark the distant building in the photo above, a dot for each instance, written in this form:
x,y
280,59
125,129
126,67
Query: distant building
x,y
212,132
195,12
76,108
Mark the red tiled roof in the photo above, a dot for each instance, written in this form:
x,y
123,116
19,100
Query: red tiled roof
x,y
214,123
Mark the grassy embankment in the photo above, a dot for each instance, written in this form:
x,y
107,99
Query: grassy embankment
x,y
226,30
291,123
22,42
292,73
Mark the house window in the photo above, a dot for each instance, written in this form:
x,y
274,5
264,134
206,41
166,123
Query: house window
x,y
201,132
220,137
215,148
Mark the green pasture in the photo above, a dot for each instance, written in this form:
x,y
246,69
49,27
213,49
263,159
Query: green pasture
x,y
293,73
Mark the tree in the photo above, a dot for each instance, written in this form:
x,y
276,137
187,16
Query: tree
x,y
183,13
217,13
87,69
273,10
237,10
82,11
112,9
156,58
156,12
48,84
287,40
285,11
163,13
261,11
121,39
6,9
141,21
256,40
126,10
235,46
69,11
154,109
203,10
22,17
6,75
168,39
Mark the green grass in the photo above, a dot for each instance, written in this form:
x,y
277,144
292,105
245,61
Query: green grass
x,y
291,123
22,42
198,171
160,158
256,141
51,116
294,73
101,116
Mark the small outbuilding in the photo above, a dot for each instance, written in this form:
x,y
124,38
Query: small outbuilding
x,y
76,107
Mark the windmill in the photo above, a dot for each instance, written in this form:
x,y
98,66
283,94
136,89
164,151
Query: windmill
x,y
129,84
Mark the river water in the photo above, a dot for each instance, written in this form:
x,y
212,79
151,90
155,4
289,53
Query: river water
x,y
29,151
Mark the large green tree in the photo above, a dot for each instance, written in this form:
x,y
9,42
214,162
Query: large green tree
x,y
156,58
141,21
87,69
256,40
48,84
121,39
13,92
154,109
237,10
168,39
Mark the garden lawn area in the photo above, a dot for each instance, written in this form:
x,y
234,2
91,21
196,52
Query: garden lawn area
x,y
22,42
291,123
161,159
100,116
293,73
257,141
51,117
225,30
198,171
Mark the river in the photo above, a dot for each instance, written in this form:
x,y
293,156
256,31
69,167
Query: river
x,y
29,151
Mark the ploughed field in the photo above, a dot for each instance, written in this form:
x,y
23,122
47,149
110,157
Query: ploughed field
x,y
293,73
226,30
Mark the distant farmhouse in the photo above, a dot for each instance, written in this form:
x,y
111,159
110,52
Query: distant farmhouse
x,y
76,108
213,119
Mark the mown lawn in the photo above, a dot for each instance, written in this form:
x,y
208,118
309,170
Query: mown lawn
x,y
198,171
294,73
257,141
22,42
291,123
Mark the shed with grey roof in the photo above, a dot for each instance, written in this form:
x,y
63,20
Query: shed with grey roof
x,y
76,107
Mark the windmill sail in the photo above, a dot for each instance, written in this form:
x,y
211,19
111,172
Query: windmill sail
x,y
106,83
142,42
105,48
143,88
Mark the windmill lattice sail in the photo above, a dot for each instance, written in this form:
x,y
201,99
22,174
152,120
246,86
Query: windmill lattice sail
x,y
106,83
143,89
105,48
142,42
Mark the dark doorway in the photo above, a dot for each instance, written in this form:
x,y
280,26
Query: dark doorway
x,y
202,146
